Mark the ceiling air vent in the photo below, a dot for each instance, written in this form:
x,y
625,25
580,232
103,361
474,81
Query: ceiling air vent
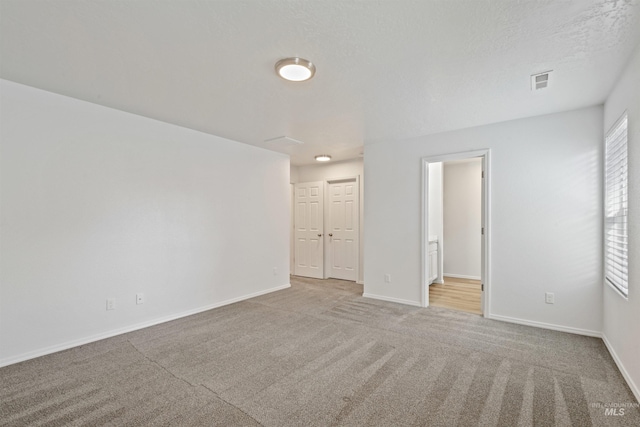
x,y
283,141
540,81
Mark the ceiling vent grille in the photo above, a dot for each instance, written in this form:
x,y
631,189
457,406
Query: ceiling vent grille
x,y
540,80
283,141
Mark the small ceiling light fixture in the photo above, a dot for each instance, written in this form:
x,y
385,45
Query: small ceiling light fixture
x,y
323,157
295,69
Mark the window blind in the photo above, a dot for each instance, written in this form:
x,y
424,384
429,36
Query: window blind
x,y
616,259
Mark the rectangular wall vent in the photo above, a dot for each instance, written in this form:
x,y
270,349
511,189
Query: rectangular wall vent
x,y
540,80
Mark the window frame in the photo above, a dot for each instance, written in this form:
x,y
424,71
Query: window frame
x,y
616,252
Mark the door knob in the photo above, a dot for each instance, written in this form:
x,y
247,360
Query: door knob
x,y
330,234
319,235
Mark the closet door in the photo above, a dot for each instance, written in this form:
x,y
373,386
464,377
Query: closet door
x,y
308,224
343,229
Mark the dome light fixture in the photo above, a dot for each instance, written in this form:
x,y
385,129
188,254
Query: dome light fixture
x,y
323,157
295,69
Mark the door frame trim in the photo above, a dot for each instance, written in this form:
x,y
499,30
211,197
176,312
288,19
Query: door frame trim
x,y
328,181
486,280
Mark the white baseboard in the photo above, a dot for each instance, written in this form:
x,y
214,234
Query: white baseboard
x,y
391,299
97,337
543,325
462,276
632,385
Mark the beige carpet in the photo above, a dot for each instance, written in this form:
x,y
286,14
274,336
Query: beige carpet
x,y
319,354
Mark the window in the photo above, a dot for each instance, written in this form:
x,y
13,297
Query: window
x,y
616,260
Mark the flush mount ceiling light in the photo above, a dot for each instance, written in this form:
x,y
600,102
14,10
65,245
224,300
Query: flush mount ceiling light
x,y
323,157
295,69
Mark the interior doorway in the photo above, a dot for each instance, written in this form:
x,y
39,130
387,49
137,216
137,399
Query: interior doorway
x,y
456,231
326,229
460,285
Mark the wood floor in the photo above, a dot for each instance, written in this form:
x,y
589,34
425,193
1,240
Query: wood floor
x,y
456,294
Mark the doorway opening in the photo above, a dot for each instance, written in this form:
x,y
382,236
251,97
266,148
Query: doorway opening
x,y
455,238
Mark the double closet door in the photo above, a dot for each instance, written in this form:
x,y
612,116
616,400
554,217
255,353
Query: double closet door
x,y
326,232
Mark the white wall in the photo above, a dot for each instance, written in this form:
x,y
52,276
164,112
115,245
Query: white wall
x,y
293,178
462,218
293,174
436,212
546,225
98,203
329,170
336,170
621,326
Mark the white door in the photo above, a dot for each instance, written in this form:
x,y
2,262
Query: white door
x,y
343,229
292,228
309,220
484,234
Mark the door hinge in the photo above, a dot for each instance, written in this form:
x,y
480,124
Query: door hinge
x,y
482,287
482,231
482,174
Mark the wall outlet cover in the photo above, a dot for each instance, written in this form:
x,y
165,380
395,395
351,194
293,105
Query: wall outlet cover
x,y
549,298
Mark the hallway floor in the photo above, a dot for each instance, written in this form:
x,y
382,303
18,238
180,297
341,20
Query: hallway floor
x,y
456,294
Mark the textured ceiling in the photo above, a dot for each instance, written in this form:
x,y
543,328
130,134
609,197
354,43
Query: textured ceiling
x,y
386,70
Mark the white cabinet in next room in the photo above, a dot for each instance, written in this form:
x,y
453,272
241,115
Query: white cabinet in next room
x,y
433,260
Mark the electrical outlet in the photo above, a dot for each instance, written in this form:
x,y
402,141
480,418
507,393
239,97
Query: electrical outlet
x,y
139,298
111,303
549,298
387,278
